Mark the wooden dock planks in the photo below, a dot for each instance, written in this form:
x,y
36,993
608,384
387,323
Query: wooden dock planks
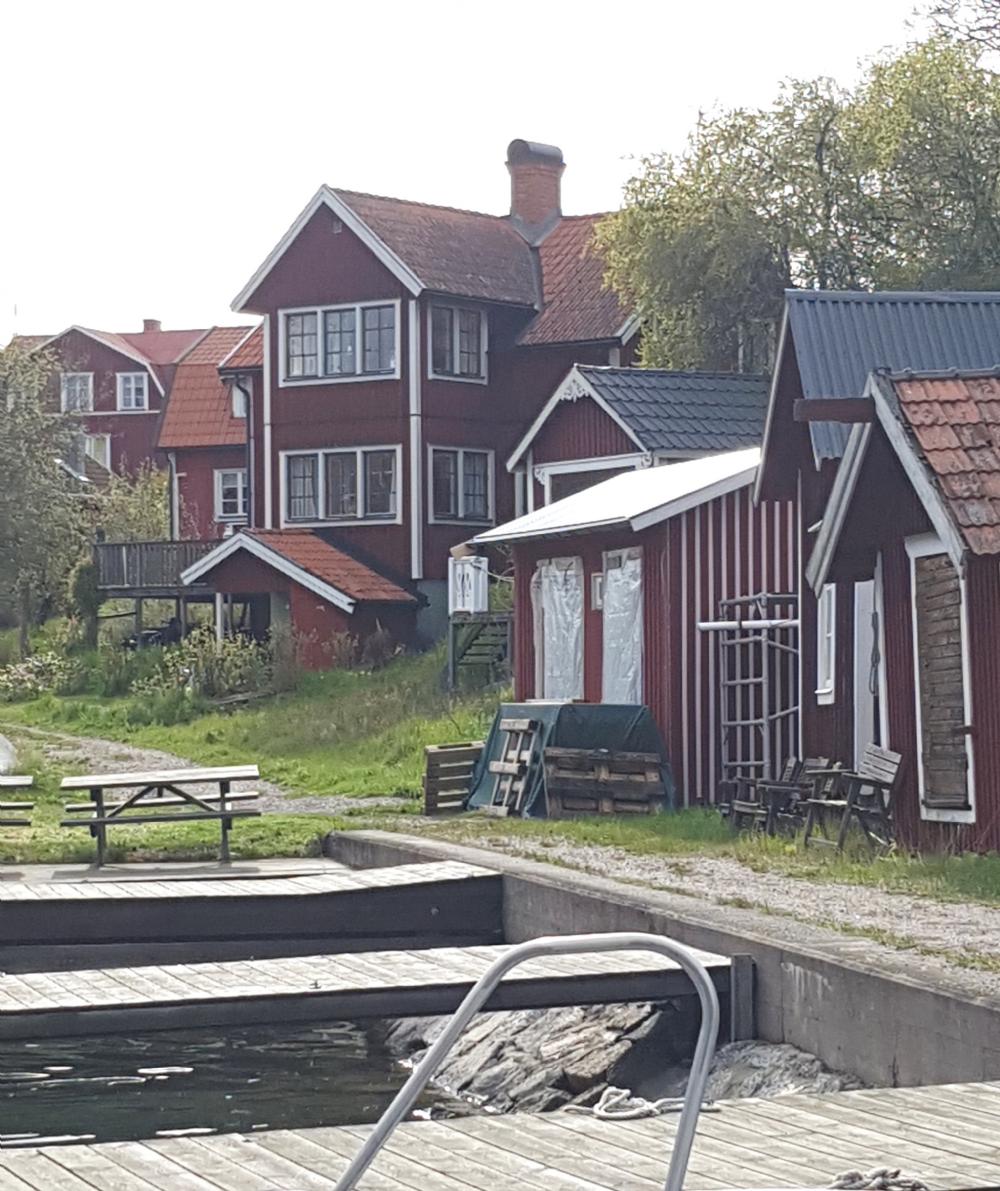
x,y
346,985
949,1136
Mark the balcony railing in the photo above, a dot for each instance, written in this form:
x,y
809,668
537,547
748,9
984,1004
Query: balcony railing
x,y
137,567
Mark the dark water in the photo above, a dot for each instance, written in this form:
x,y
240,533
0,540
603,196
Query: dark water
x,y
225,1080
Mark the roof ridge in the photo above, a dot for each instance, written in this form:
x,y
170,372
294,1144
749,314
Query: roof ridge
x,y
938,373
699,372
889,295
391,198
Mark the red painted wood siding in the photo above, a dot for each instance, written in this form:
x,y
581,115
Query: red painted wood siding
x,y
580,430
133,435
196,484
722,549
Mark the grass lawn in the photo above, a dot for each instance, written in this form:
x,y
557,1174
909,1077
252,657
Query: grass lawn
x,y
341,732
966,877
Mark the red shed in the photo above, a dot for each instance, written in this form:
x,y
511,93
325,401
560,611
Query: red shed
x,y
931,455
612,583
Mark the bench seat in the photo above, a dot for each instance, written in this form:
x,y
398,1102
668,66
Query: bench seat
x,y
166,800
183,817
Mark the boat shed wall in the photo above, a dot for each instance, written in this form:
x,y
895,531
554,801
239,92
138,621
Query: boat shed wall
x,y
722,548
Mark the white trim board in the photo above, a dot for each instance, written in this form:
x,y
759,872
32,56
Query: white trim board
x,y
572,388
922,546
326,197
257,548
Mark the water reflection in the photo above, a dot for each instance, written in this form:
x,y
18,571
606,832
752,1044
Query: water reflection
x,y
206,1080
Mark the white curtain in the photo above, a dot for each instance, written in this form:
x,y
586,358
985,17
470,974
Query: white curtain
x,y
622,661
562,628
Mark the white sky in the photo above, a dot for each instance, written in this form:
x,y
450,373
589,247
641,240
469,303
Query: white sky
x,y
155,153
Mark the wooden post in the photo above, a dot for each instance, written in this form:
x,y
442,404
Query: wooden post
x,y
220,616
138,624
452,654
182,616
226,822
742,1014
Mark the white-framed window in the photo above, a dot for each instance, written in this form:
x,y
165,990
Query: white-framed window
x,y
238,394
826,644
132,391
98,447
342,484
338,343
461,483
77,392
458,342
231,494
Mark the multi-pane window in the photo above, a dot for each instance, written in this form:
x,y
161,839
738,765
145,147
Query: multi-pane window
x,y
132,390
357,340
77,390
457,342
301,345
460,485
231,494
98,447
342,485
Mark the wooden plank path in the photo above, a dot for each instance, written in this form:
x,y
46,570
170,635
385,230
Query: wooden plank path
x,y
351,985
949,1136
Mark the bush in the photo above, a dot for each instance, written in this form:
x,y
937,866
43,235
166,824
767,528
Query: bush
x,y
40,674
209,668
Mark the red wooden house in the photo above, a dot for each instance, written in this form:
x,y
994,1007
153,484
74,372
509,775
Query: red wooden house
x,y
405,348
928,464
204,437
118,383
829,344
602,420
616,587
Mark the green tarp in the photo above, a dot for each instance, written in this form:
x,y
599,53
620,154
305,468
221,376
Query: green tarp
x,y
623,727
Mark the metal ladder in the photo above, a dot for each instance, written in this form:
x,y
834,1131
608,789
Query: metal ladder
x,y
563,945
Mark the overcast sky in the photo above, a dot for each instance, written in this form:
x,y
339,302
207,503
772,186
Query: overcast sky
x,y
153,154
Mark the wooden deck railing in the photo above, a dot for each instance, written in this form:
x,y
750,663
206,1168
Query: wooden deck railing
x,y
152,566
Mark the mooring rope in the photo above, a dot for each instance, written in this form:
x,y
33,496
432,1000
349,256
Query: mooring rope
x,y
618,1104
881,1178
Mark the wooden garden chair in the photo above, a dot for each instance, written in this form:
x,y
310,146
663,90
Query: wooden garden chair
x,y
863,796
784,800
747,808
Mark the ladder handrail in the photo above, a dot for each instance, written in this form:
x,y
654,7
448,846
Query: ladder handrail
x,y
477,996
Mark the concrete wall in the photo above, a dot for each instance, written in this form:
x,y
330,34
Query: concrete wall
x,y
882,1015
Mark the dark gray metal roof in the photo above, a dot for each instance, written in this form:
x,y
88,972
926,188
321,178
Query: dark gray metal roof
x,y
842,336
684,411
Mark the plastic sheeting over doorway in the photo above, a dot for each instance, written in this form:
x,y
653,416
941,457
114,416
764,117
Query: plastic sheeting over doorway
x,y
621,665
557,595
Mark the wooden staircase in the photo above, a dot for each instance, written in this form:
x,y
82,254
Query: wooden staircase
x,y
483,639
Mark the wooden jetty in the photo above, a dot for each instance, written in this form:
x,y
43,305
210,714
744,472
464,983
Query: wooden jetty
x,y
949,1136
354,985
440,902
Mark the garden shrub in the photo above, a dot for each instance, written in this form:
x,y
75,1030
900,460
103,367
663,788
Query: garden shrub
x,y
39,674
209,668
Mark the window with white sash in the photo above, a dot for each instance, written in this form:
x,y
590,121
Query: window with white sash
x,y
132,391
231,494
458,342
826,644
343,484
461,482
77,392
337,343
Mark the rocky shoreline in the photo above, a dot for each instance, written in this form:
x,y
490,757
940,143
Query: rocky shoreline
x,y
538,1060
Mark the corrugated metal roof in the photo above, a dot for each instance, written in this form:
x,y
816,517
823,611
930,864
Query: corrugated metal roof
x,y
684,411
634,498
842,336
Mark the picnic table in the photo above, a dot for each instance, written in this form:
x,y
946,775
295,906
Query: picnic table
x,y
161,796
20,810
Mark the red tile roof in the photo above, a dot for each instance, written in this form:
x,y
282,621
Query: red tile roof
x,y
320,559
161,347
578,307
249,353
199,410
955,422
465,253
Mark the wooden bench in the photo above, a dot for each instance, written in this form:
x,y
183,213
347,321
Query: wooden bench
x,y
863,796
20,810
768,804
161,796
448,775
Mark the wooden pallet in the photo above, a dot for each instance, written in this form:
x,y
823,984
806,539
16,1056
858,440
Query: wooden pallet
x,y
448,775
602,782
511,772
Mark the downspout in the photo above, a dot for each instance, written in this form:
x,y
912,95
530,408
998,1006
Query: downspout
x,y
175,497
268,499
248,407
416,444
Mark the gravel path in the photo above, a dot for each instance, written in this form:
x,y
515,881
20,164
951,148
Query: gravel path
x,y
956,928
90,754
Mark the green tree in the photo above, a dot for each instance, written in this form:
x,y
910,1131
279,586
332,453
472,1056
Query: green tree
x,y
893,184
977,21
133,508
41,517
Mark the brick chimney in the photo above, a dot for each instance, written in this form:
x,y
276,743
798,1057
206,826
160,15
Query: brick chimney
x,y
151,324
535,171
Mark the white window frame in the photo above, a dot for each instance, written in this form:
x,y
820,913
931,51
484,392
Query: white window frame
x,y
461,519
360,519
826,638
230,518
543,472
483,377
294,382
121,378
63,378
920,546
240,400
102,438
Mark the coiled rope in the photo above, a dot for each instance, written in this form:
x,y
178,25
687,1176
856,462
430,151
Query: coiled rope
x,y
881,1178
618,1104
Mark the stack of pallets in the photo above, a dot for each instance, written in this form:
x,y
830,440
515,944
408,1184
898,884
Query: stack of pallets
x,y
602,782
448,775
